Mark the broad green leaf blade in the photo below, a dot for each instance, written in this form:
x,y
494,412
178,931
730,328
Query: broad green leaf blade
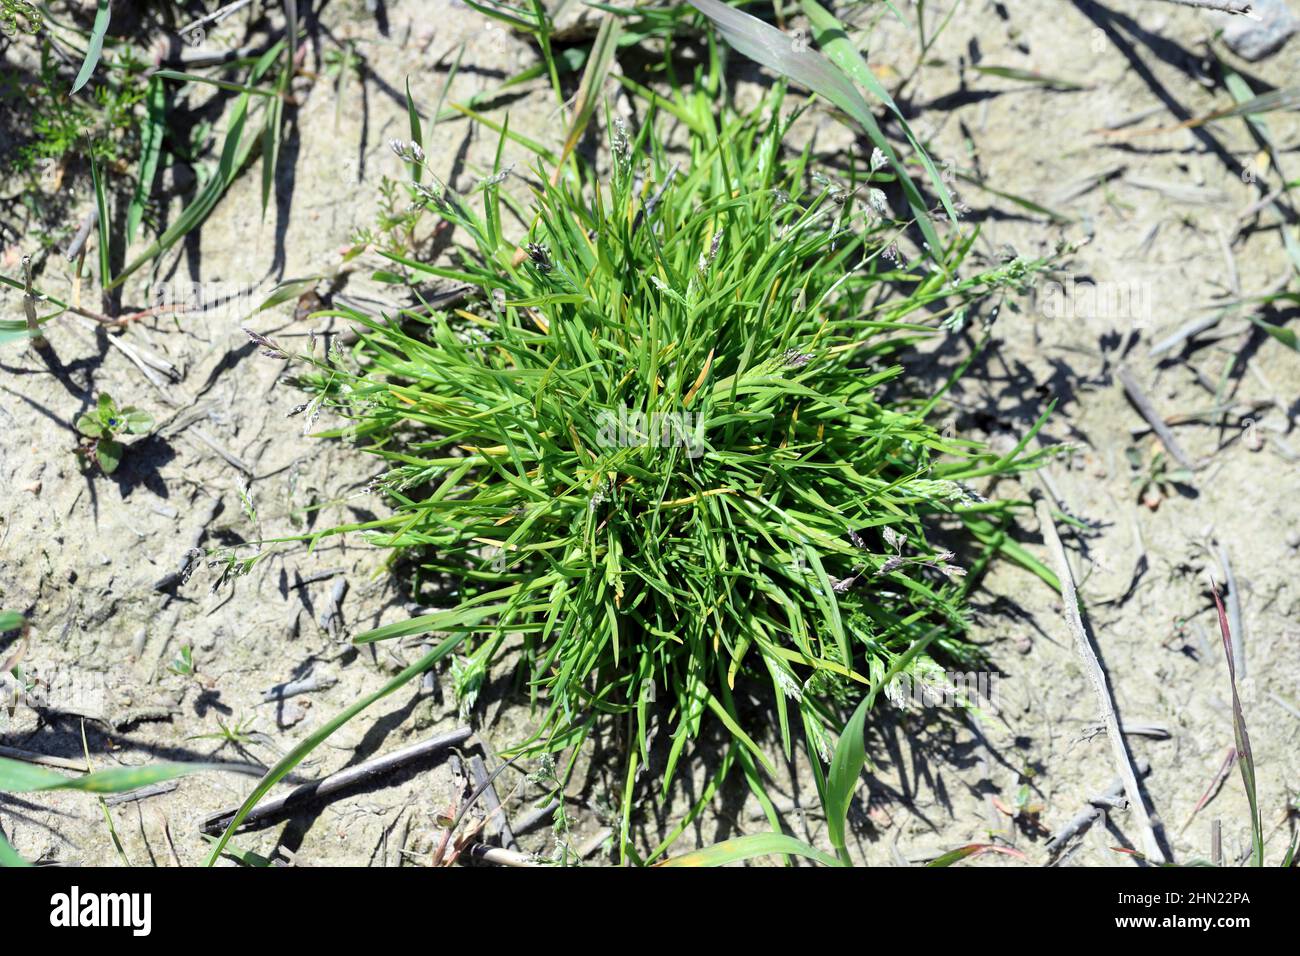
x,y
155,128
748,847
89,424
840,49
770,47
10,621
846,765
96,46
19,777
137,422
109,454
8,855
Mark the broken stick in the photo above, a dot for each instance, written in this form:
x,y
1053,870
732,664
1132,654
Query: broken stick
x,y
1153,418
1092,812
342,780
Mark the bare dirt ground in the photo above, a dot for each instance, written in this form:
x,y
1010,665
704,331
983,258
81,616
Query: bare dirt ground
x,y
1157,218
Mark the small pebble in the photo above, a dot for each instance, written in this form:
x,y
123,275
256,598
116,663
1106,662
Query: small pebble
x,y
1264,34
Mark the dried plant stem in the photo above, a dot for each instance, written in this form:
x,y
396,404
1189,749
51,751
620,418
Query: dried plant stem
x,y
215,17
1153,418
478,770
341,780
27,756
1237,7
78,244
1213,788
1092,812
29,305
482,853
1084,645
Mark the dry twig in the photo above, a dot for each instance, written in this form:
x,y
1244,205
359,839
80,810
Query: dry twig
x,y
1097,676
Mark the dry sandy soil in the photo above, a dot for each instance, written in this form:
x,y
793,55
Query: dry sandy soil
x,y
1161,218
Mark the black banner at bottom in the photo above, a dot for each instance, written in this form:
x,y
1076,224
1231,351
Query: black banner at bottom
x,y
144,906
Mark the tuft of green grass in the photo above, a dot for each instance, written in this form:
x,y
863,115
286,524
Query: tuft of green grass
x,y
670,447
665,451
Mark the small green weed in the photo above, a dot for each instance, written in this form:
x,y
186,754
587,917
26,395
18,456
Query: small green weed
x,y
102,428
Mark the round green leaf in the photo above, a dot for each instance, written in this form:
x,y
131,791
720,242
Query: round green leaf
x,y
109,454
88,424
135,421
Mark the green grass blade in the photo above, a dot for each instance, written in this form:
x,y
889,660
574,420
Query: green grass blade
x,y
234,155
846,766
770,47
101,203
1278,332
747,848
19,777
213,81
96,47
1029,76
417,137
593,78
155,128
9,856
840,49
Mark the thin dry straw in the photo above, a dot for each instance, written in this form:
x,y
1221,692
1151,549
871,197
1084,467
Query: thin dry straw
x,y
1097,676
1153,418
478,769
63,763
1234,615
1236,7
